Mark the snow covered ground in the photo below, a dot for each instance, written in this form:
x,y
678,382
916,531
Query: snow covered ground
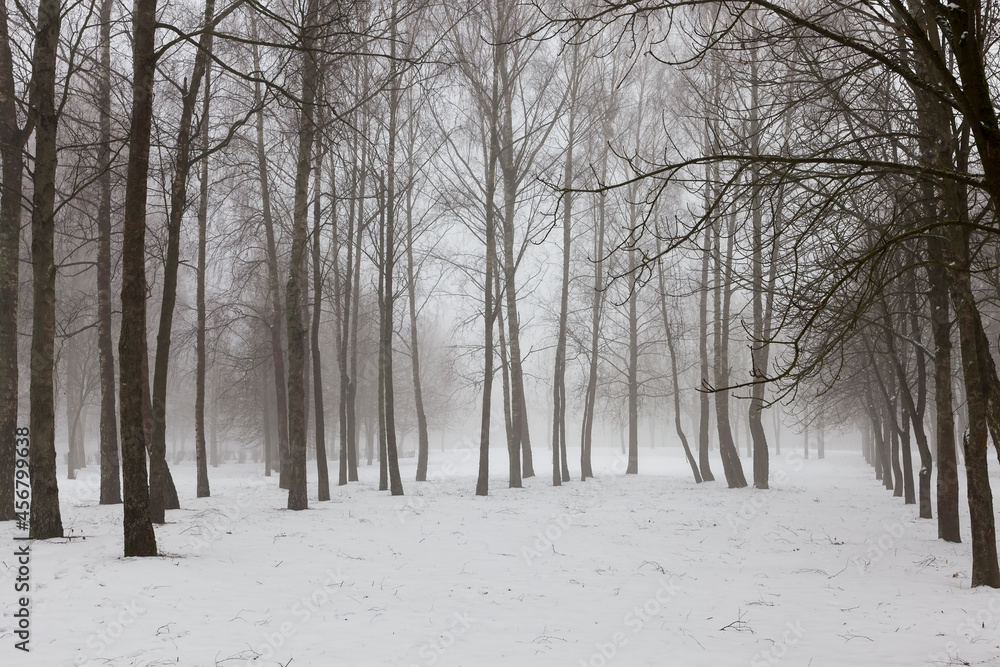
x,y
824,569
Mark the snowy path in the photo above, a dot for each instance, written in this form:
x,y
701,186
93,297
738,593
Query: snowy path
x,y
822,570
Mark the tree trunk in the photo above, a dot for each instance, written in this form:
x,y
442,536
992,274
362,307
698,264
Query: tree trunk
x,y
882,470
673,372
297,496
352,397
947,465
265,407
518,441
596,308
213,426
138,527
389,265
110,481
383,445
280,388
76,396
909,496
347,432
490,307
727,448
759,345
559,374
46,521
777,432
914,415
178,204
985,570
513,454
203,490
423,445
704,423
322,472
11,145
632,467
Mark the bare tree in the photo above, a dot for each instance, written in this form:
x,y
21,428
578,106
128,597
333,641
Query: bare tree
x,y
46,520
274,293
560,471
178,203
323,475
297,498
138,527
203,488
12,138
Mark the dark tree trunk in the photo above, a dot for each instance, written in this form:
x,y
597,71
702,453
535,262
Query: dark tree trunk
x,y
668,333
891,412
110,481
203,490
383,447
344,321
513,451
559,374
138,526
11,144
352,396
913,415
936,141
490,307
723,293
46,521
632,467
878,436
178,204
389,266
76,396
759,347
297,495
985,570
947,465
518,440
489,310
705,416
322,471
213,427
596,308
423,445
909,495
280,388
265,407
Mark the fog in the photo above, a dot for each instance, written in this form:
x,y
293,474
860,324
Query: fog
x,y
645,296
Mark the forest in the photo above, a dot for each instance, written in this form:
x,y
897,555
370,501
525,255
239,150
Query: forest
x,y
301,252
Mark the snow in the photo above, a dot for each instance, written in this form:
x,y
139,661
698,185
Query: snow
x,y
826,568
